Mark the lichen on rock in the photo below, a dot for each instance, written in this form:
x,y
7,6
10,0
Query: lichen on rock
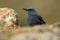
x,y
8,17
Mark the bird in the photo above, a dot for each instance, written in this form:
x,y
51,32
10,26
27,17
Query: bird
x,y
33,18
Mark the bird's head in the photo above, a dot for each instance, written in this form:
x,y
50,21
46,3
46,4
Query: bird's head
x,y
29,9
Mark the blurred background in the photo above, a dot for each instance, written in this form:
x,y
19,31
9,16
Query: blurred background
x,y
48,9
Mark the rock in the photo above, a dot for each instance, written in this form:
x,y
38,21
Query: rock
x,y
8,18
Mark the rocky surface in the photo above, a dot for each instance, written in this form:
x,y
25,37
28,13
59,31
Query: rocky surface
x,y
38,32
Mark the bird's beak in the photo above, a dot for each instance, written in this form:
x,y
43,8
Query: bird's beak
x,y
25,9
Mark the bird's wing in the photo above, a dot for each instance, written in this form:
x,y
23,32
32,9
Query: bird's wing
x,y
40,18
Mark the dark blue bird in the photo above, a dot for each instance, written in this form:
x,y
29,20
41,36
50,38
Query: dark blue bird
x,y
33,18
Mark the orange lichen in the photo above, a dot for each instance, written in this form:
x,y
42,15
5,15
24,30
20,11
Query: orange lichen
x,y
7,19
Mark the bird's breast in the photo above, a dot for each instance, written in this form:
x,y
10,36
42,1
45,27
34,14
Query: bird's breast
x,y
31,20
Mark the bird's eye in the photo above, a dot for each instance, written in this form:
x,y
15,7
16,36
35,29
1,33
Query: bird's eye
x,y
30,9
